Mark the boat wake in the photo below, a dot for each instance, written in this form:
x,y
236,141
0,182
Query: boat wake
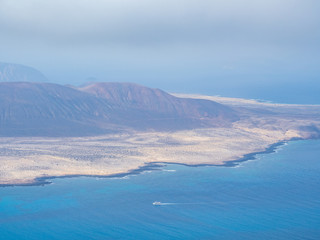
x,y
162,204
167,203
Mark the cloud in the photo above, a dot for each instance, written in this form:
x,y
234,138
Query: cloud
x,y
144,22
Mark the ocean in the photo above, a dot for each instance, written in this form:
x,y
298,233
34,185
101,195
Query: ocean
x,y
275,196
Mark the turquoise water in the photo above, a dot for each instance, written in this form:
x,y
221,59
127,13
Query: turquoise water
x,y
276,196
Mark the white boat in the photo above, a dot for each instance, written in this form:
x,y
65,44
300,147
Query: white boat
x,y
156,203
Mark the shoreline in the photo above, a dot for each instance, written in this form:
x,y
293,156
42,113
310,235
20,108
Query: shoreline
x,y
233,163
42,181
155,166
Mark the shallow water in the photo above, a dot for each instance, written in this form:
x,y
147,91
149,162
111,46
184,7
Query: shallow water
x,y
276,196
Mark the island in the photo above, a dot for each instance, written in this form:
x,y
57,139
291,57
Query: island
x,y
259,127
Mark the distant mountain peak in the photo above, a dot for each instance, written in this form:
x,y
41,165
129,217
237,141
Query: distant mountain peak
x,y
10,72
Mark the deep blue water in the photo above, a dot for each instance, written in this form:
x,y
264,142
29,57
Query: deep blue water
x,y
276,196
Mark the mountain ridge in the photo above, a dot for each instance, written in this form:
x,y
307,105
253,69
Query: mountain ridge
x,y
47,109
150,99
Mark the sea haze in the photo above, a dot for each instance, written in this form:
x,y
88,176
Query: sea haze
x,y
275,196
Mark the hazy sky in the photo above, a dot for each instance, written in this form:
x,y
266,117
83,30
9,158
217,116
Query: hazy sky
x,y
191,45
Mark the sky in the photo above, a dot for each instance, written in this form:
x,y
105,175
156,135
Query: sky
x,y
268,49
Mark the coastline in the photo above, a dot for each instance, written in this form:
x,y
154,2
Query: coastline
x,y
156,166
233,163
42,181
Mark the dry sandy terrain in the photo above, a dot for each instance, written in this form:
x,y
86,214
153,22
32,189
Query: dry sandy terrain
x,y
23,160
